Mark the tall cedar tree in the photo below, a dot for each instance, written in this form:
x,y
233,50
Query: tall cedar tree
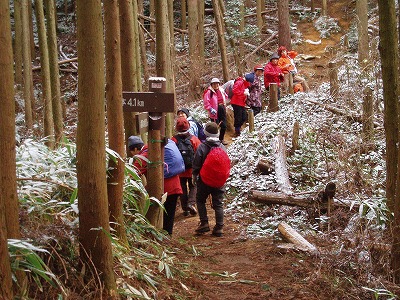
x,y
45,76
95,245
8,186
115,118
284,24
54,70
390,76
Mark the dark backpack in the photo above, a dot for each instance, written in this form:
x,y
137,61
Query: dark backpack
x,y
187,151
216,168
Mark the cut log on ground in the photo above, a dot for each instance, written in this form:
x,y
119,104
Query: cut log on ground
x,y
282,174
265,166
293,236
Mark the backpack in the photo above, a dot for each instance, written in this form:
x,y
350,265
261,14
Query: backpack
x,y
173,161
216,168
200,131
228,86
187,151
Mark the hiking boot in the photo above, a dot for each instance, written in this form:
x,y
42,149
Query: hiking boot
x,y
203,227
218,231
192,210
223,142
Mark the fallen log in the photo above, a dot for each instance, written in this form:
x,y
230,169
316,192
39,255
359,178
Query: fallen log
x,y
293,236
61,62
352,117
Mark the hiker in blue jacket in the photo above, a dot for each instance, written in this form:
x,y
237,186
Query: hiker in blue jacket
x,y
200,176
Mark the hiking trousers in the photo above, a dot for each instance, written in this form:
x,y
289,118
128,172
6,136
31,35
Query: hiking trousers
x,y
169,213
240,115
217,195
188,198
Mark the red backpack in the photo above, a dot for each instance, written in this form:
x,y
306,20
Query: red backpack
x,y
216,168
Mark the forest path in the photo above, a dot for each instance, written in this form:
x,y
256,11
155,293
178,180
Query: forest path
x,y
235,267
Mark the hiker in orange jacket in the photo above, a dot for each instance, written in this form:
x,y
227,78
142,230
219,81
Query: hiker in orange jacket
x,y
286,63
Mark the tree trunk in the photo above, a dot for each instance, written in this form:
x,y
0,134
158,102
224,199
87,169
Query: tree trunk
x,y
115,119
284,24
241,67
128,60
324,8
295,137
137,46
152,13
221,39
58,107
26,54
260,19
362,28
390,76
94,228
368,115
142,41
45,76
201,8
9,227
183,20
18,42
193,32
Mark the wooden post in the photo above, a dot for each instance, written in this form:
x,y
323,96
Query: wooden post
x,y
295,137
250,116
155,169
291,89
330,190
333,79
273,97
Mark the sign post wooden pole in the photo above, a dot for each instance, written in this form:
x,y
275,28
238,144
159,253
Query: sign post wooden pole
x,y
156,102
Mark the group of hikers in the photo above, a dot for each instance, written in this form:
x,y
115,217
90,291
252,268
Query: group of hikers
x,y
196,164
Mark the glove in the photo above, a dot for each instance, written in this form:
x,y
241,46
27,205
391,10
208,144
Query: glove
x,y
246,92
213,111
194,179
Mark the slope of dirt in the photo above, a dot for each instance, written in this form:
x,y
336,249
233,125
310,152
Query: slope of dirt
x,y
234,267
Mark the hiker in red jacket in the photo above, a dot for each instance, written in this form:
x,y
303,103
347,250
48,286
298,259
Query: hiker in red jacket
x,y
240,92
272,73
172,185
188,198
203,189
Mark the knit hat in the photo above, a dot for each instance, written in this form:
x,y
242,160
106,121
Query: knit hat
x,y
211,129
184,110
258,67
182,124
274,56
135,142
249,77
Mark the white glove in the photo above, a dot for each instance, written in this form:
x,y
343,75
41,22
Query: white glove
x,y
246,92
213,111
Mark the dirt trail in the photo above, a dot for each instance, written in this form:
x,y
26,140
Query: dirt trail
x,y
234,267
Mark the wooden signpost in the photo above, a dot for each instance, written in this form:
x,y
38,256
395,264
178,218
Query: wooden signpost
x,y
156,103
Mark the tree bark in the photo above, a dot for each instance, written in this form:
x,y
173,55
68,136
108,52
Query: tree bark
x,y
58,107
284,24
194,83
115,119
45,76
94,228
18,42
221,39
26,54
9,227
390,76
142,41
128,60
